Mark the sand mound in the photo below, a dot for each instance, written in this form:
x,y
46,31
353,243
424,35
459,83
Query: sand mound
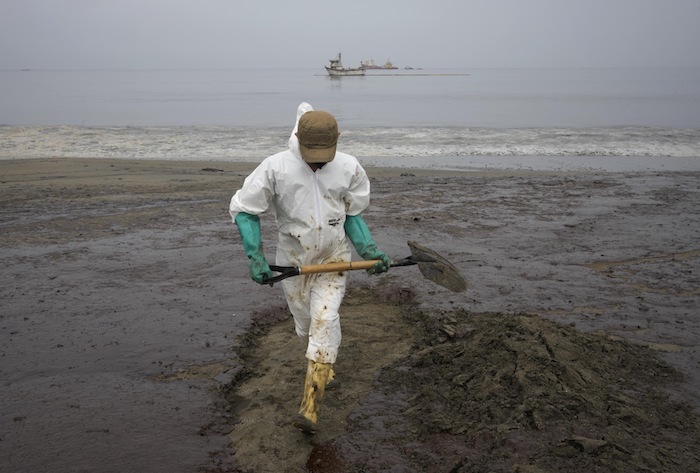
x,y
462,392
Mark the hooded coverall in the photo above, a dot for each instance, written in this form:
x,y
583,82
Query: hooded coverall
x,y
310,209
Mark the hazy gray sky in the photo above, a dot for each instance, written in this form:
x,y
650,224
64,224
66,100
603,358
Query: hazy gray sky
x,y
115,34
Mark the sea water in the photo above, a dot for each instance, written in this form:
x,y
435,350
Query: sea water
x,y
614,118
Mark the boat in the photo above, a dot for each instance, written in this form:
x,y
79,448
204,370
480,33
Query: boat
x,y
336,69
369,64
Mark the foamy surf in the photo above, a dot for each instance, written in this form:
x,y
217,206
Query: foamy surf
x,y
606,148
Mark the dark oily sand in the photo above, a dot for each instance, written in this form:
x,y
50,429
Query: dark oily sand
x,y
125,297
460,392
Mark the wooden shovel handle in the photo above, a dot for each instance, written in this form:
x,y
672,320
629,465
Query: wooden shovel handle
x,y
289,271
336,267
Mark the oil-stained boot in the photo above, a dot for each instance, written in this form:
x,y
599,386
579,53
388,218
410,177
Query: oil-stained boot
x,y
317,376
333,383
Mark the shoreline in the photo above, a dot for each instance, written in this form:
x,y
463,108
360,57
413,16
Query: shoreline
x,y
28,166
427,166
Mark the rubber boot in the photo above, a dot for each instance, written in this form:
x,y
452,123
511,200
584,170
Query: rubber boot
x,y
332,384
317,376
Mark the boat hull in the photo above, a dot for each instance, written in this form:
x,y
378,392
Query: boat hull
x,y
344,72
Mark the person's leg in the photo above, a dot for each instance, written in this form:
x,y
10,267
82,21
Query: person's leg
x,y
324,341
326,295
297,294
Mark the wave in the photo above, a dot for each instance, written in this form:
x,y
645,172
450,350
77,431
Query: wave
x,y
254,144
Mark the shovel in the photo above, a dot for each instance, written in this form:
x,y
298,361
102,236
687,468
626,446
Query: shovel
x,y
431,265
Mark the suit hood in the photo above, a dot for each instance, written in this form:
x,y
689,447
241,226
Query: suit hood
x,y
293,140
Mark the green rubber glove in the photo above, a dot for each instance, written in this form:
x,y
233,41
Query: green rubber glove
x,y
249,228
357,231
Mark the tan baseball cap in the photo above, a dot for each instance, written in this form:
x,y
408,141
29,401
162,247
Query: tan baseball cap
x,y
318,136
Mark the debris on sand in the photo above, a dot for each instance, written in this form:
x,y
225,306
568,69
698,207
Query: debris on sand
x,y
481,392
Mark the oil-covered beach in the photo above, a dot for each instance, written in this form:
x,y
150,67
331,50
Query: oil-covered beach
x,y
134,340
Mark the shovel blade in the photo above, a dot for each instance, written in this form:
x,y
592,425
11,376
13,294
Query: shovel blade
x,y
436,268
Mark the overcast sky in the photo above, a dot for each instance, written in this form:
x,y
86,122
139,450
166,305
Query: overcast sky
x,y
154,34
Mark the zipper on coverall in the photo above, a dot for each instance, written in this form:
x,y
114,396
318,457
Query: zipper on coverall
x,y
317,205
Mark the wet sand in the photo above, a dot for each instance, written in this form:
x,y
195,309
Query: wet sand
x,y
131,332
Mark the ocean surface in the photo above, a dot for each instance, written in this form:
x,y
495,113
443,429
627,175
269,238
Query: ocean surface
x,y
609,119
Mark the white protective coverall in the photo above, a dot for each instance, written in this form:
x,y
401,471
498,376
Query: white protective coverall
x,y
310,209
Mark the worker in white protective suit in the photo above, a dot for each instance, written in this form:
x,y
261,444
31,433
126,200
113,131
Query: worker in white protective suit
x,y
317,195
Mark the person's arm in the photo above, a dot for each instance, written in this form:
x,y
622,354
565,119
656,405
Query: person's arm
x,y
357,231
250,201
251,236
